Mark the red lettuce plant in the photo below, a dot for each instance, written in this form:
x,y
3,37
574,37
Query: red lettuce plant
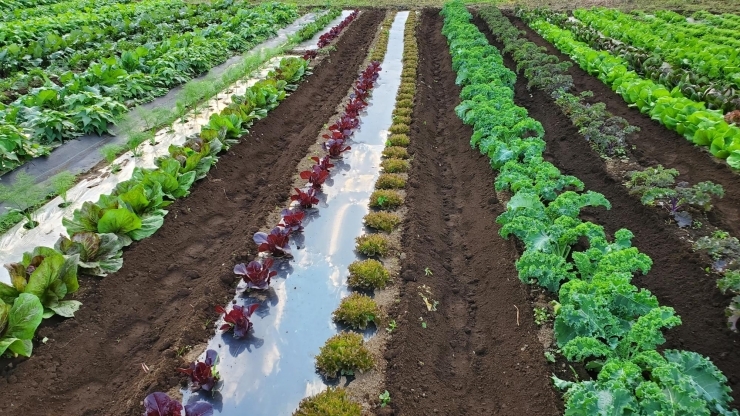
x,y
354,106
335,148
324,162
336,30
203,375
160,404
276,243
310,54
237,320
316,176
345,124
292,220
306,199
257,275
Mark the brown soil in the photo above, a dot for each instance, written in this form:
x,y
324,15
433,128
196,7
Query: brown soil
x,y
162,299
677,277
473,357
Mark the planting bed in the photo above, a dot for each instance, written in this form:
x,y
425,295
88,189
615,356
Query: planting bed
x,y
468,250
677,277
162,300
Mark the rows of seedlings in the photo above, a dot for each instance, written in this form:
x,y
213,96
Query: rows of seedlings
x,y
601,318
140,201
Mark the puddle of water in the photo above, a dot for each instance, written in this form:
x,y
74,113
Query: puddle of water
x,y
269,372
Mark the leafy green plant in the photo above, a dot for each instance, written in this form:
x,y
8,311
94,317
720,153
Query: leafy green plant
x,y
722,248
403,111
658,186
373,245
46,274
392,325
344,354
18,323
396,152
730,282
390,181
399,128
22,197
386,199
332,401
385,398
401,140
541,316
111,151
357,311
395,166
60,184
384,221
368,275
99,254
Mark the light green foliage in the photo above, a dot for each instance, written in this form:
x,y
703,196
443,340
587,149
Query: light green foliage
x,y
344,354
46,274
368,275
357,311
18,322
396,152
23,196
373,245
332,401
395,166
384,221
390,181
386,199
61,183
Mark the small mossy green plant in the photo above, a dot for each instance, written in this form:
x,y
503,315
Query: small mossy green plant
x,y
368,275
402,120
405,96
395,166
407,88
330,402
383,221
357,311
403,111
396,152
390,181
373,245
344,354
401,140
404,104
399,129
386,199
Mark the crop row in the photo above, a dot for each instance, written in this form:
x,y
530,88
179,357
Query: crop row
x,y
11,5
697,29
703,55
717,94
99,231
145,23
88,102
687,117
204,375
601,319
26,13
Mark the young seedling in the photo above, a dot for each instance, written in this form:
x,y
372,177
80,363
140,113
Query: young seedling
x,y
22,197
541,316
110,152
392,325
385,398
60,184
428,271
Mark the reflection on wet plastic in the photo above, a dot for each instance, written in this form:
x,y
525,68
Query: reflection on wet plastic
x,y
273,369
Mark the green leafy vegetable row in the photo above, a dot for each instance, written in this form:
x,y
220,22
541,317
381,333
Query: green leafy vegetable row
x,y
602,319
687,117
703,55
11,5
99,231
723,32
716,94
38,9
89,102
605,132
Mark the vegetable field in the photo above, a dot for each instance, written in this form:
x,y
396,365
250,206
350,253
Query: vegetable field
x,y
457,210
